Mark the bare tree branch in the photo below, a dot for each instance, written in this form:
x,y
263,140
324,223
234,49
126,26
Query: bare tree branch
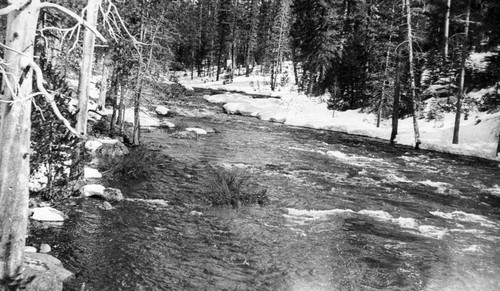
x,y
50,98
75,16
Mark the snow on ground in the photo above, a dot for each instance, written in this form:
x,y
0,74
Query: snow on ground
x,y
478,135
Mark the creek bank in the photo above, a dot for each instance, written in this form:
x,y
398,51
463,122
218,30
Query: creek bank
x,y
47,272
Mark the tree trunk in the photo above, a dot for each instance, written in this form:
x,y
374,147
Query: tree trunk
x,y
86,67
412,75
106,69
446,30
382,92
397,91
15,128
456,129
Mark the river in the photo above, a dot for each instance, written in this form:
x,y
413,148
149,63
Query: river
x,y
345,213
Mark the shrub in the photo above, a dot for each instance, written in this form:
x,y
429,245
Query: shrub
x,y
136,165
234,189
53,147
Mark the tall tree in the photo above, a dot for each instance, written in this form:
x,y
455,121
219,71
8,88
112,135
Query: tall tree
x,y
17,67
412,73
223,28
15,127
86,67
464,56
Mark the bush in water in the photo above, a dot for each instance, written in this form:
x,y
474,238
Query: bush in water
x,y
136,165
234,189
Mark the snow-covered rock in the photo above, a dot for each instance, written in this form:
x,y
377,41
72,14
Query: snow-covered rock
x,y
45,248
146,118
30,249
165,123
198,131
93,145
95,190
161,110
92,190
90,173
47,214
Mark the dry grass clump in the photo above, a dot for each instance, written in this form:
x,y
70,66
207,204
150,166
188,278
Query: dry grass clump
x,y
230,188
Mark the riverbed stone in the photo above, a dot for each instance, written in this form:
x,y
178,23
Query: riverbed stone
x,y
45,248
167,124
92,190
113,194
30,249
107,206
47,272
90,173
47,214
185,135
198,131
161,110
93,145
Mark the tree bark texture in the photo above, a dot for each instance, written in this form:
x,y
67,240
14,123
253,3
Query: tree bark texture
x,y
86,67
15,128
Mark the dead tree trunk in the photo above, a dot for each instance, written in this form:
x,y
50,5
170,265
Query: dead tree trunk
x,y
446,30
86,68
15,128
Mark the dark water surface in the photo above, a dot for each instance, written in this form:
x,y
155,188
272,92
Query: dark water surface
x,y
346,213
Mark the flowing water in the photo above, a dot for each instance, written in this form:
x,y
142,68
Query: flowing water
x,y
345,213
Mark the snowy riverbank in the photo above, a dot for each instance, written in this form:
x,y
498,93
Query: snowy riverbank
x,y
478,134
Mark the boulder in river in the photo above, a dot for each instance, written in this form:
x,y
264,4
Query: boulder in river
x,y
47,272
45,248
92,190
95,190
185,134
90,173
47,214
112,194
161,110
198,131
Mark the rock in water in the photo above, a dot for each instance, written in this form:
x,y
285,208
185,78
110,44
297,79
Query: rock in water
x,y
47,214
45,248
161,110
93,145
92,190
29,249
107,206
112,194
90,173
185,135
47,272
198,131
